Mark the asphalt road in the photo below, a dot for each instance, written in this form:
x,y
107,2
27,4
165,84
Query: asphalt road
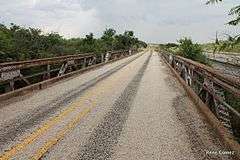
x,y
130,109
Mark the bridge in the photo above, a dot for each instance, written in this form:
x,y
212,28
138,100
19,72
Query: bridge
x,y
118,105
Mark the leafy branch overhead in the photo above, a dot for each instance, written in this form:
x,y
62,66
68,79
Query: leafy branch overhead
x,y
235,11
213,1
231,41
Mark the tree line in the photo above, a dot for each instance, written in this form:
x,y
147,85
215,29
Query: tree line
x,y
20,43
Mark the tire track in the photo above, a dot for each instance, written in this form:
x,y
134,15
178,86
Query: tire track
x,y
18,126
105,135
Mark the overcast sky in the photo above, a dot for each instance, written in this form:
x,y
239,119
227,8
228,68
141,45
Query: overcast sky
x,y
152,20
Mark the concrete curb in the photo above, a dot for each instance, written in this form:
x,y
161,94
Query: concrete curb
x,y
226,137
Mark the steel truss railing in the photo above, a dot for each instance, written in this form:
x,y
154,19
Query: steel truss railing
x,y
219,92
15,75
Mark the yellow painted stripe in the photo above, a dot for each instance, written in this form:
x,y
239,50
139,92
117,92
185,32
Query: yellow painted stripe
x,y
50,143
43,129
40,131
39,153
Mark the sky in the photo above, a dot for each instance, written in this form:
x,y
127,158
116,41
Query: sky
x,y
153,21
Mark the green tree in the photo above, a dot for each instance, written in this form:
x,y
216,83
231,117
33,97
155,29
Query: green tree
x,y
235,11
19,43
108,38
192,51
232,40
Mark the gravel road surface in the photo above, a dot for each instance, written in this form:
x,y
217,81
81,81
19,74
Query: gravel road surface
x,y
130,109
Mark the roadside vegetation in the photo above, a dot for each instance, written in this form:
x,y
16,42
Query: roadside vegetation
x,y
232,42
186,48
19,43
220,47
192,50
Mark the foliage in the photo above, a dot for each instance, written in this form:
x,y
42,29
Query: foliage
x,y
170,47
223,46
232,40
192,51
187,49
235,11
19,43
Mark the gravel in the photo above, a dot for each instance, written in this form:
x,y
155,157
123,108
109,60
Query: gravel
x,y
106,135
164,123
141,112
26,119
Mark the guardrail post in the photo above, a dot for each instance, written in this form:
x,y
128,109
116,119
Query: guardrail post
x,y
92,61
48,71
63,69
11,83
84,62
170,59
102,57
130,52
107,56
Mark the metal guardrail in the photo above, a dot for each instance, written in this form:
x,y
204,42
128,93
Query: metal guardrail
x,y
219,92
15,75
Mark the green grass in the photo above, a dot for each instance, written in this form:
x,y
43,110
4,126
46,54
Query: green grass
x,y
210,47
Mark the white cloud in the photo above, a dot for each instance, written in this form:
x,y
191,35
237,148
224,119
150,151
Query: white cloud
x,y
65,17
152,20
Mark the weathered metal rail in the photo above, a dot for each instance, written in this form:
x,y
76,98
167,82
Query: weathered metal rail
x,y
15,75
220,93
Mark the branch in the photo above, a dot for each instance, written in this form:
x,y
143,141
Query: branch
x,y
213,1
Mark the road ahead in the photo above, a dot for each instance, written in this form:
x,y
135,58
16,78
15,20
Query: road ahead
x,y
131,109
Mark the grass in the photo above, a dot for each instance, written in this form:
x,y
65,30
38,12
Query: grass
x,y
210,47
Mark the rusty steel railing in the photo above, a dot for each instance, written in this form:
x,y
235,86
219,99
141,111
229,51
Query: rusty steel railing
x,y
219,92
15,75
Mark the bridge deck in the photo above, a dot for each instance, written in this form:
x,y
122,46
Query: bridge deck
x,y
130,109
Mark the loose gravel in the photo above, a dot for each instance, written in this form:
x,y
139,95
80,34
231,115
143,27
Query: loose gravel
x,y
13,129
106,135
141,112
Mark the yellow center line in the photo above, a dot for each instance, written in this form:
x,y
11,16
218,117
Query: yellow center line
x,y
40,131
72,124
8,154
51,142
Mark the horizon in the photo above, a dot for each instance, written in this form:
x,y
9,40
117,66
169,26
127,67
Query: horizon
x,y
152,21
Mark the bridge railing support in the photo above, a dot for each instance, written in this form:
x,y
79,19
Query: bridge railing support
x,y
16,75
219,92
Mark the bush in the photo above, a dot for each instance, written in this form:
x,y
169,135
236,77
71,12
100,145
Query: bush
x,y
192,51
19,43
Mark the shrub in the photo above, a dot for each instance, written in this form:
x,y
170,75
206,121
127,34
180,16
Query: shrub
x,y
192,51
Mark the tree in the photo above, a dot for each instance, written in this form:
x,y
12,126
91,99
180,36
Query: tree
x,y
192,51
235,11
19,43
232,40
108,38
